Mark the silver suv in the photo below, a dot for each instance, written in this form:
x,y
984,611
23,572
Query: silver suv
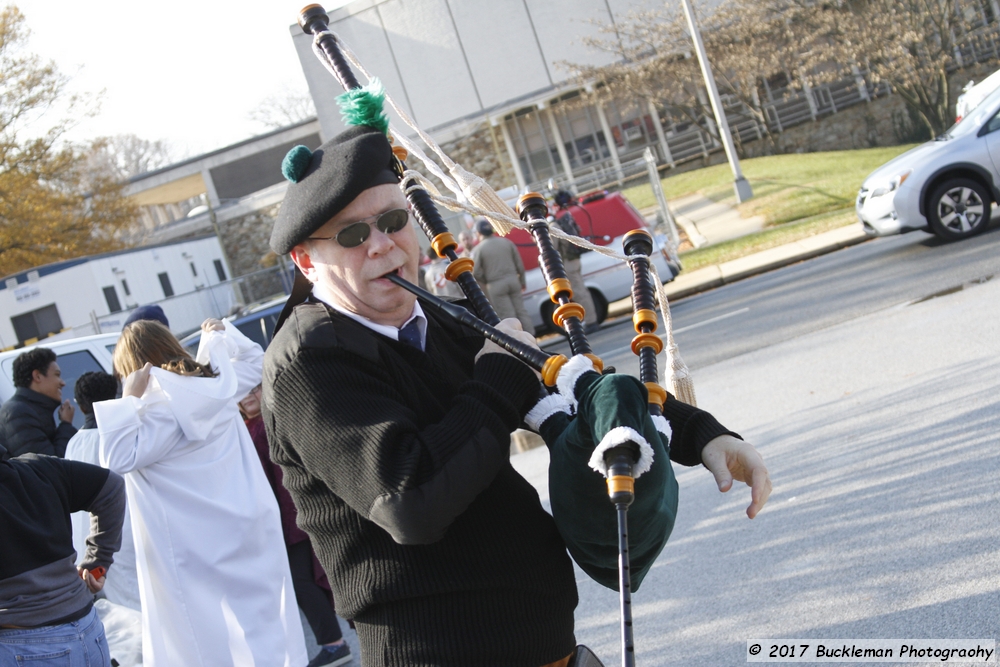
x,y
946,186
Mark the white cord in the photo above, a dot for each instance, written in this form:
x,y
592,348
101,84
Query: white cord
x,y
494,209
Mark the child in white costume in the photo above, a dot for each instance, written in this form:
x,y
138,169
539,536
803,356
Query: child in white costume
x,y
213,573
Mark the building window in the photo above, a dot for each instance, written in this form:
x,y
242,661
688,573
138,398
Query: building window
x,y
194,271
111,296
220,270
125,287
37,324
168,290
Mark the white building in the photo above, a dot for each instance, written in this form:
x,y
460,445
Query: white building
x,y
95,294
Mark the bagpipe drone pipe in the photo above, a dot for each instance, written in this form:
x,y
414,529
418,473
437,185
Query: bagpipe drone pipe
x,y
605,431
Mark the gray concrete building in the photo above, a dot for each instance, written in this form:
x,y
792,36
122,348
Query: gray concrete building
x,y
177,200
455,65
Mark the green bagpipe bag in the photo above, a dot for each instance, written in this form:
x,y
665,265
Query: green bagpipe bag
x,y
610,410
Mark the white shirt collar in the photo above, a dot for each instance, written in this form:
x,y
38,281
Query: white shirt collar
x,y
386,330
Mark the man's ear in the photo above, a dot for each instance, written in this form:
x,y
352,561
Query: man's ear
x,y
37,376
300,256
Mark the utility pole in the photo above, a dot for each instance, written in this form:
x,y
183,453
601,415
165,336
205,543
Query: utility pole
x,y
222,246
741,185
661,199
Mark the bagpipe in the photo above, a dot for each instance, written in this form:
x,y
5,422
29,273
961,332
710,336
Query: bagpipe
x,y
597,424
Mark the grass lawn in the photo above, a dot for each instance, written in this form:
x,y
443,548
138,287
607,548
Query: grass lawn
x,y
768,238
786,187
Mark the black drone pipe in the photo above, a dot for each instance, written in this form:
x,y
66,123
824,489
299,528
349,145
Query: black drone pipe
x,y
542,362
314,20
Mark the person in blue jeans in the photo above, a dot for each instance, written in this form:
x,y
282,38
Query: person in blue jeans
x,y
47,615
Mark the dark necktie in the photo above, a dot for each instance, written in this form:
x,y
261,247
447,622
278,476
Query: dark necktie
x,y
410,334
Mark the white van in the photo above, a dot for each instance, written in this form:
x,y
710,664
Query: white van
x,y
75,357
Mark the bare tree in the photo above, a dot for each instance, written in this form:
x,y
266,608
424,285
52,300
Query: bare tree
x,y
652,62
128,155
744,40
911,45
282,109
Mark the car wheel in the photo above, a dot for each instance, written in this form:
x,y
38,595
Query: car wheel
x,y
600,304
548,326
958,208
547,308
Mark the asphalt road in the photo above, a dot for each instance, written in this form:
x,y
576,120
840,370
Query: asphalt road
x,y
877,411
809,296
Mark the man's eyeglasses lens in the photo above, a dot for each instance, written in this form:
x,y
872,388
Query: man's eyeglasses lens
x,y
357,233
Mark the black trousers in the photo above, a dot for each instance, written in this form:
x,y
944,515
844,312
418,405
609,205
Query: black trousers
x,y
312,599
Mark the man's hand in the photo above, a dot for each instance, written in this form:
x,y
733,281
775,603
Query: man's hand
x,y
730,458
212,324
66,411
135,383
93,585
512,327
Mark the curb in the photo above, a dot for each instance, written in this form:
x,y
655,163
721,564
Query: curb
x,y
711,277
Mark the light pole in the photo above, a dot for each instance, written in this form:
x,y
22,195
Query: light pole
x,y
742,186
222,246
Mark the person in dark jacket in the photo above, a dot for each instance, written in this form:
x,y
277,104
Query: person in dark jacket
x,y
26,422
392,425
46,601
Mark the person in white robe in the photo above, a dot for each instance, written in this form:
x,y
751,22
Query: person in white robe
x,y
213,573
122,585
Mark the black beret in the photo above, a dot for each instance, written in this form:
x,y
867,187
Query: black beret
x,y
325,183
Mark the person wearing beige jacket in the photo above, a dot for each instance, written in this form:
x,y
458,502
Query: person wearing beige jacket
x,y
500,271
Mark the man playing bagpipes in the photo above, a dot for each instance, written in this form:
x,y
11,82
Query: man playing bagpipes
x,y
392,424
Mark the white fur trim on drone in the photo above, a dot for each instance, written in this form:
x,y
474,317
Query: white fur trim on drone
x,y
662,425
545,408
570,373
618,436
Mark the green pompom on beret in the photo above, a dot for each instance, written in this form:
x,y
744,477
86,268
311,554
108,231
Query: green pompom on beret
x,y
296,162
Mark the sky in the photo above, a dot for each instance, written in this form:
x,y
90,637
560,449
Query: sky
x,y
188,72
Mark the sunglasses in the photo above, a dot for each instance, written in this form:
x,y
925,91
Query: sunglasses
x,y
357,233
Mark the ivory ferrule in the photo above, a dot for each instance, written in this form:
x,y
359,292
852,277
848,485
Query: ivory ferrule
x,y
621,484
550,371
567,310
443,242
560,286
644,316
657,394
458,267
647,340
598,362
